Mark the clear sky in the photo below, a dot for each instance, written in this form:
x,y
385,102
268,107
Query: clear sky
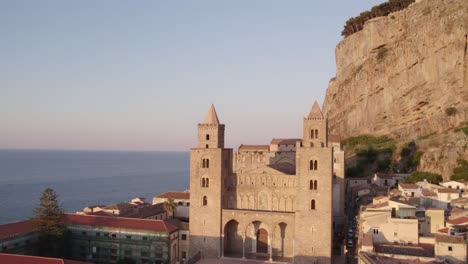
x,y
140,75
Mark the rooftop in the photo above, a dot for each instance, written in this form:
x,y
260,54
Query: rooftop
x,y
22,259
176,195
120,206
439,238
284,167
148,211
458,221
408,185
16,229
254,147
285,141
120,222
421,250
447,190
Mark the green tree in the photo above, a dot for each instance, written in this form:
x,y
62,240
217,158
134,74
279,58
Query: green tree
x,y
49,222
170,206
422,175
460,173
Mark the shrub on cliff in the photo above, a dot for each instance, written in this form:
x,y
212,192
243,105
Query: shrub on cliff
x,y
366,140
356,24
460,173
418,176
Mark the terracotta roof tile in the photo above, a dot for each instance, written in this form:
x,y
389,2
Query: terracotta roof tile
x,y
16,229
408,185
254,147
284,141
120,222
148,211
22,259
380,197
175,195
447,190
458,221
449,239
284,167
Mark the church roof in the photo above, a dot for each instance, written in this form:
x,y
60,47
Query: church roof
x,y
285,141
211,116
315,112
284,167
254,147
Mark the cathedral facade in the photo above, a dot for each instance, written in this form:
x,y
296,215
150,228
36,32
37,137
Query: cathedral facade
x,y
274,202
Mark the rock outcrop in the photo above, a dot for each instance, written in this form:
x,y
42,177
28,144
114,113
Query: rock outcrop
x,y
400,74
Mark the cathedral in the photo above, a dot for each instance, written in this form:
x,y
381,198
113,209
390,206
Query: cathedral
x,y
278,202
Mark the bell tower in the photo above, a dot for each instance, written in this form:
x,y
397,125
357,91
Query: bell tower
x,y
210,165
315,128
211,132
314,172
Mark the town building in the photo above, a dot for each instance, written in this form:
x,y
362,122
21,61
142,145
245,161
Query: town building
x,y
277,202
101,239
22,259
182,199
18,238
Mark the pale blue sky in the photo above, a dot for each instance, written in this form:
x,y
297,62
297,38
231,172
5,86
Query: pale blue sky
x,y
139,75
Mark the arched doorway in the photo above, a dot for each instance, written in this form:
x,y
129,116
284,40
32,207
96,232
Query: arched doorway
x,y
232,239
262,241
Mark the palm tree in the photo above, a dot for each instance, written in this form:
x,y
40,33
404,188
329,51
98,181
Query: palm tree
x,y
170,206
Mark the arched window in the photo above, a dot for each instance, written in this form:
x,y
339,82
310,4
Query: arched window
x,y
315,165
207,182
312,204
207,137
315,185
311,184
205,201
180,203
207,163
206,145
316,133
203,182
312,133
311,165
311,144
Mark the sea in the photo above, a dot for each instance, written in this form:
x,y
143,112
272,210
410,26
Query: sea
x,y
83,178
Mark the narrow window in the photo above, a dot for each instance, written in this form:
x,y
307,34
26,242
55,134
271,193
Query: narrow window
x,y
204,163
205,201
315,185
312,204
311,184
311,144
207,137
311,133
203,182
207,163
311,165
207,183
206,145
449,248
315,165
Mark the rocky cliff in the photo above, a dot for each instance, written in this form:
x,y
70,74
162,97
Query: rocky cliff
x,y
406,76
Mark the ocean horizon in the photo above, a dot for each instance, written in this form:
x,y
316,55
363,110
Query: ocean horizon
x,y
85,177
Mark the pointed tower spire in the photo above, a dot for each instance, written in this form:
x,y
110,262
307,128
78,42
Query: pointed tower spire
x,y
315,112
211,116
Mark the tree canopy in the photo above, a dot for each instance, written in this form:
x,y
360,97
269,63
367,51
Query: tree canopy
x,y
418,176
49,216
170,206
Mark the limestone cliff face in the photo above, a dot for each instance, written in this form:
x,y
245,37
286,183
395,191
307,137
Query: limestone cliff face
x,y
398,75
